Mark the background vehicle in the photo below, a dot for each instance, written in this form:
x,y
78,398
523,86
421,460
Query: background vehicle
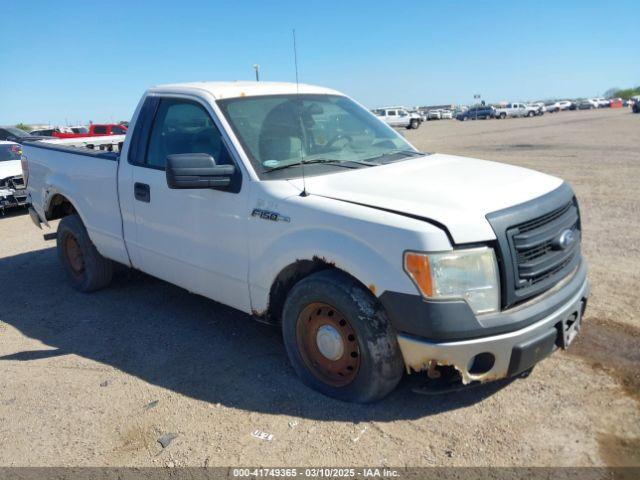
x,y
12,188
398,117
635,108
349,256
586,105
94,130
45,132
434,114
539,107
446,114
13,134
600,102
477,113
516,110
551,107
563,105
107,129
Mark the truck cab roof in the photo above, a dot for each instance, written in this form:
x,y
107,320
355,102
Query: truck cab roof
x,y
221,90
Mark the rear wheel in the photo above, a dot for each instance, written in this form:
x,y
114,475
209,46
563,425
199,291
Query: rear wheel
x,y
86,269
339,339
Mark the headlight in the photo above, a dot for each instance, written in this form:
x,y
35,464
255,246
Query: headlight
x,y
471,275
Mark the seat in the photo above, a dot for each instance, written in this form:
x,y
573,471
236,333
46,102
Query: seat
x,y
281,136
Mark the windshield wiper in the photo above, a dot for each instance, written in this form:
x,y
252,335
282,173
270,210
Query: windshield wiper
x,y
330,161
398,151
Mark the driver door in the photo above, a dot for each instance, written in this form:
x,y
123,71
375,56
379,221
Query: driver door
x,y
195,238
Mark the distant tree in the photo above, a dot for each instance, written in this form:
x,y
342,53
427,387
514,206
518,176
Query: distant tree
x,y
627,93
611,93
24,127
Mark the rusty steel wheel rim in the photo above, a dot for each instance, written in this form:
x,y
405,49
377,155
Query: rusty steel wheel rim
x,y
74,255
328,344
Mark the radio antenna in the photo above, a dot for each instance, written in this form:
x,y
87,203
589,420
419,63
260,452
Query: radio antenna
x,y
299,107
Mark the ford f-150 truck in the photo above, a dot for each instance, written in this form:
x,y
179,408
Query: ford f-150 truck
x,y
298,206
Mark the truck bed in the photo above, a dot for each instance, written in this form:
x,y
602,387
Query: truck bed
x,y
88,179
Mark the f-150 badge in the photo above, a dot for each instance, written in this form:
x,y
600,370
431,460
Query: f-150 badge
x,y
268,215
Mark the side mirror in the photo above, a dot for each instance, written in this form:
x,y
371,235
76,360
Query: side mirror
x,y
197,170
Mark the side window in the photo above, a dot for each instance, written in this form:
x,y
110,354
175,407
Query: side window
x,y
100,129
391,113
117,130
182,126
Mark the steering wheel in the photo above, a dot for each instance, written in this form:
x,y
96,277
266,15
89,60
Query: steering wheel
x,y
337,137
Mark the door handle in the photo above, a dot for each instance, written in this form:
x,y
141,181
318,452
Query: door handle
x,y
142,192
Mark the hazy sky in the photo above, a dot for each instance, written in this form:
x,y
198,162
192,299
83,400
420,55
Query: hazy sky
x,y
91,60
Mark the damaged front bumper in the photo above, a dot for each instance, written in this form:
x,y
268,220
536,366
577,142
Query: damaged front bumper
x,y
10,198
503,355
13,192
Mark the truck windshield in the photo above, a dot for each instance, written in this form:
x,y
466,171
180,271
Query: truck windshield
x,y
10,152
328,131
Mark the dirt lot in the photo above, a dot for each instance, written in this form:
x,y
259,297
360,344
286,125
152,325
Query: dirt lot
x,y
97,379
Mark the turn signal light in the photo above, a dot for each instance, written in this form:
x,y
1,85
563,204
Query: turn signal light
x,y
417,266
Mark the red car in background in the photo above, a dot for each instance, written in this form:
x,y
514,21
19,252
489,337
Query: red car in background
x,y
95,130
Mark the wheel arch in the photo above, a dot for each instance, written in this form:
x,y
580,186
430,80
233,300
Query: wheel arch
x,y
58,206
289,276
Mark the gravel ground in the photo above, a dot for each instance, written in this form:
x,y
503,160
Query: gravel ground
x,y
98,379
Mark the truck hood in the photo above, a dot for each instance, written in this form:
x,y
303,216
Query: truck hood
x,y
456,192
10,168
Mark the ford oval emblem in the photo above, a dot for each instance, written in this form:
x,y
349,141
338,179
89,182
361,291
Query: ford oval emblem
x,y
565,239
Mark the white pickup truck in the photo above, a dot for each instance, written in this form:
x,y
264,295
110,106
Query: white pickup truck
x,y
399,117
301,208
517,110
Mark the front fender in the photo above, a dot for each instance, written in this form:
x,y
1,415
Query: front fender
x,y
375,270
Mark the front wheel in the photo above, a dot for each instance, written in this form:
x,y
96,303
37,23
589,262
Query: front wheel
x,y
414,124
339,340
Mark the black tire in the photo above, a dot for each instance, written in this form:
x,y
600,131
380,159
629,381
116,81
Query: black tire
x,y
96,271
503,116
380,366
414,124
530,114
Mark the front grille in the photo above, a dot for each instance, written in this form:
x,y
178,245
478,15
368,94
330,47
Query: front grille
x,y
531,258
18,182
535,244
